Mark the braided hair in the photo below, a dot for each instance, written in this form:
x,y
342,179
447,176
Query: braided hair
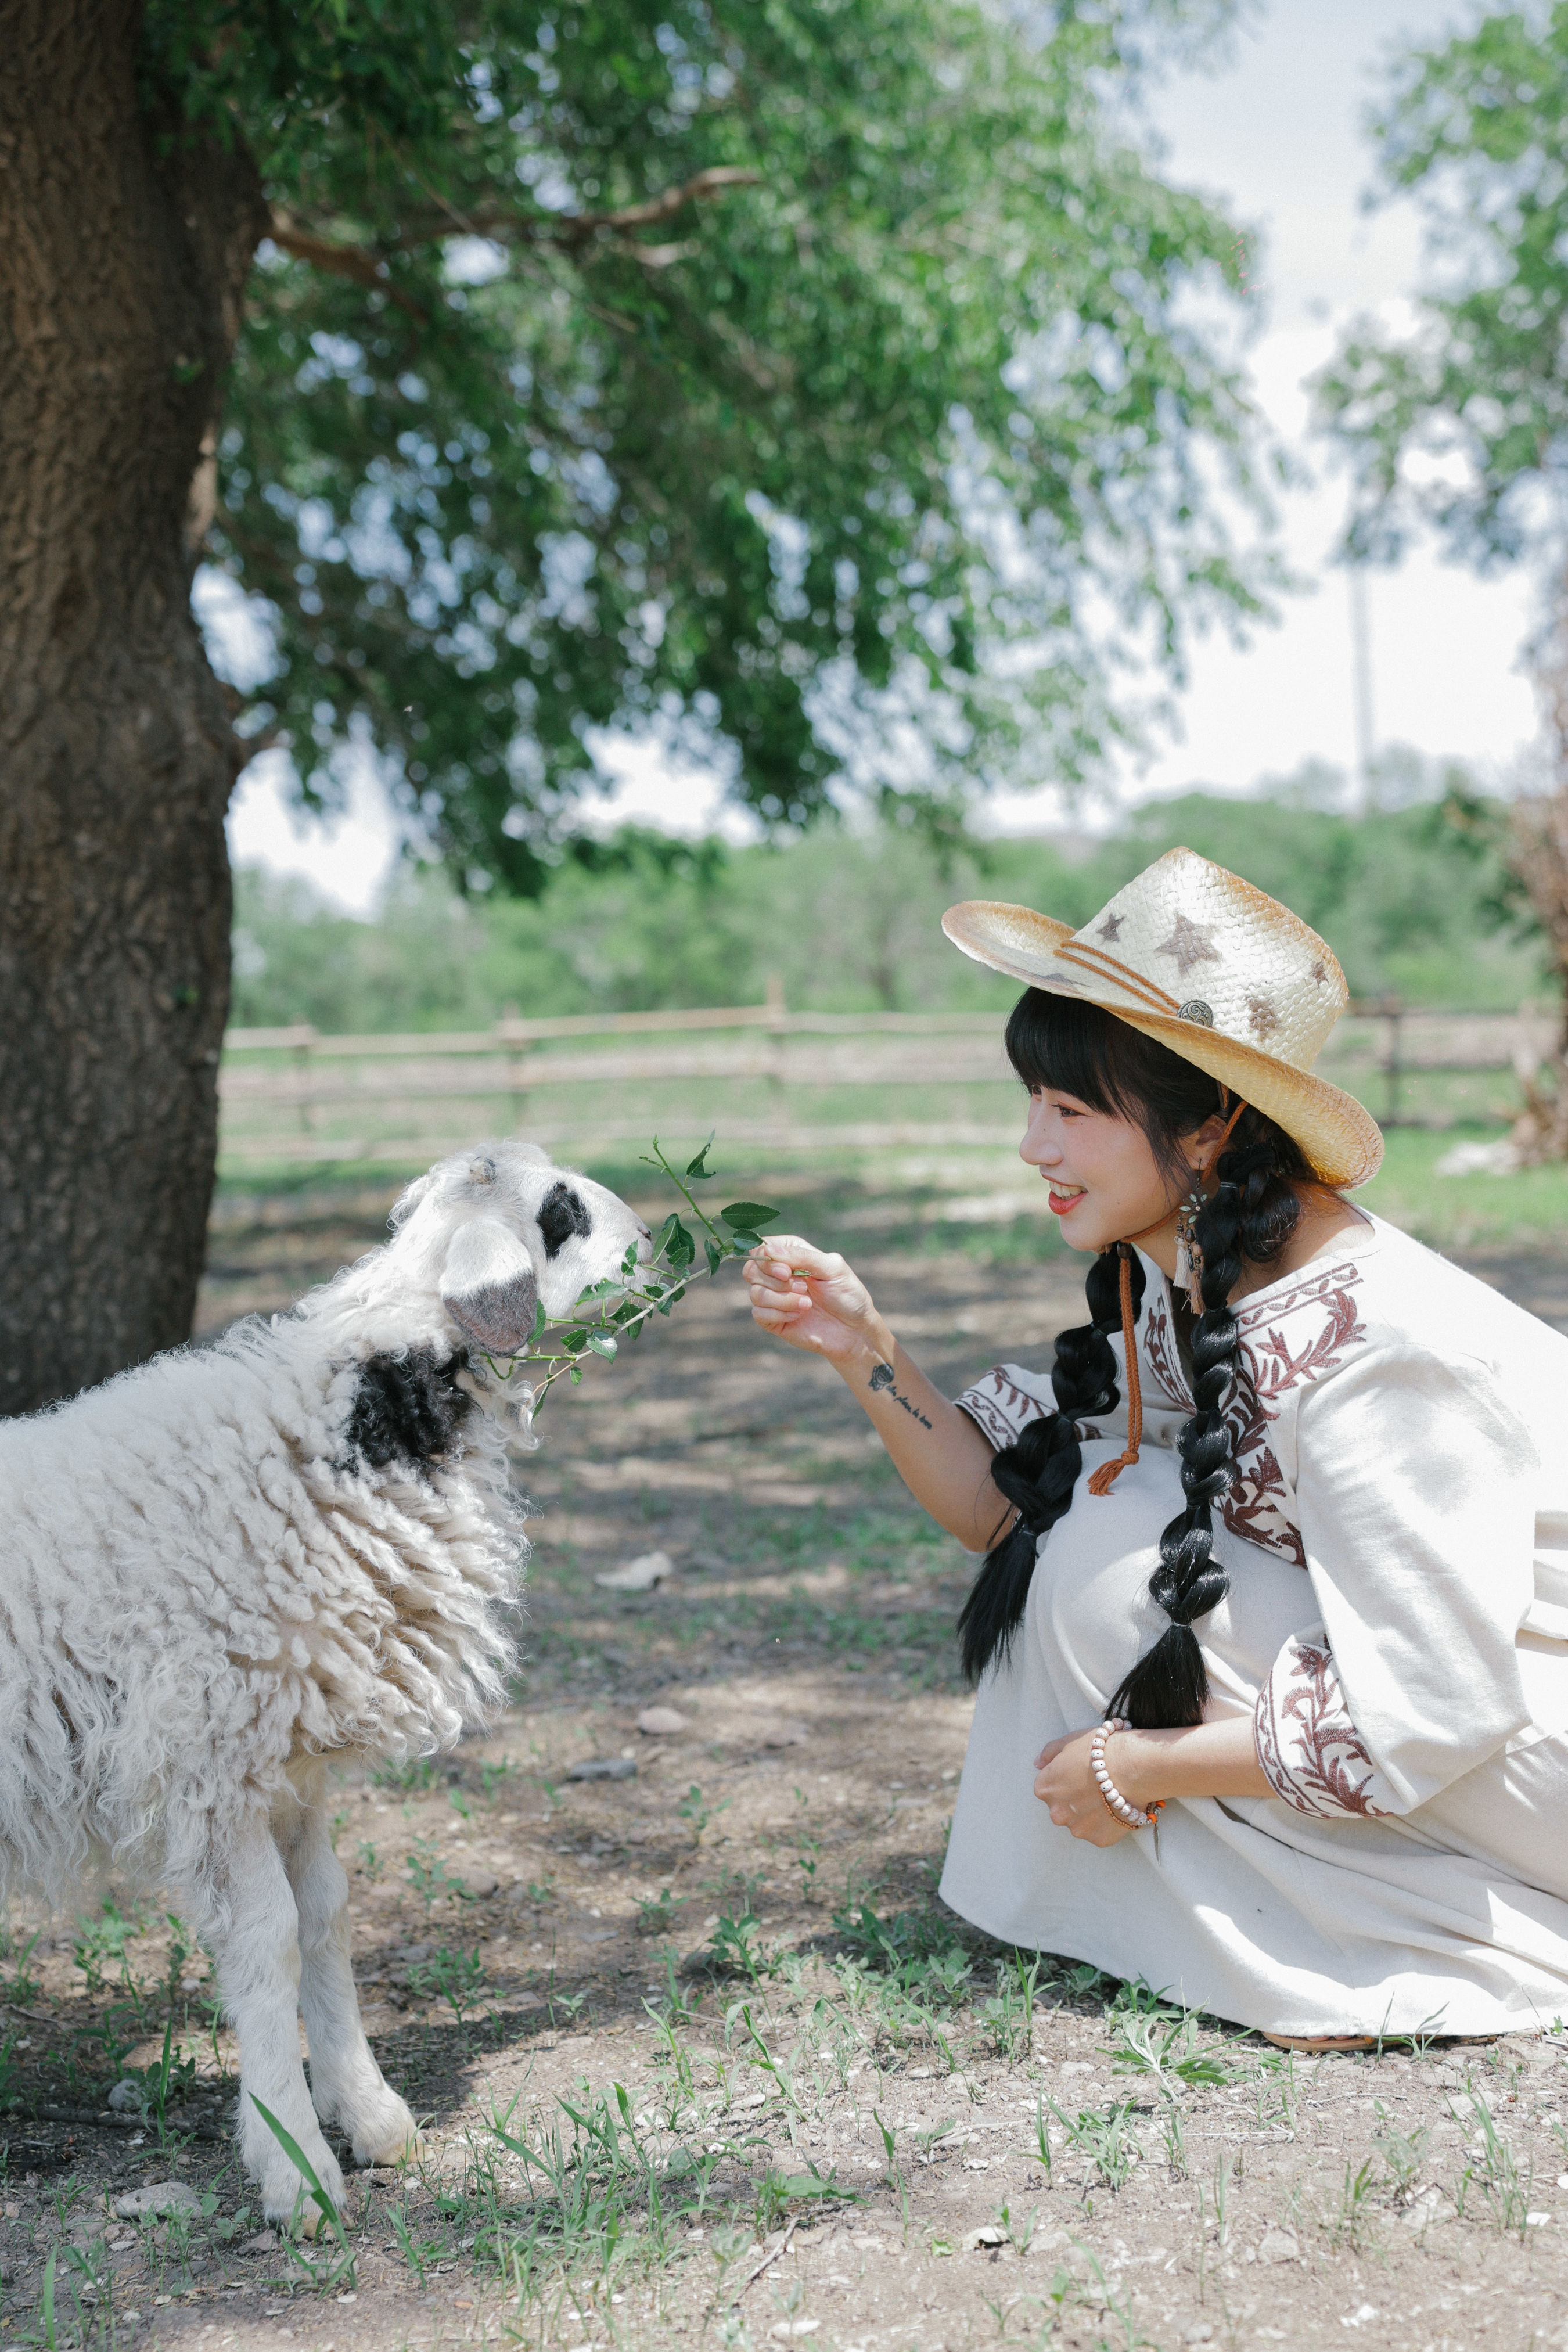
x,y
1089,1054
1039,1470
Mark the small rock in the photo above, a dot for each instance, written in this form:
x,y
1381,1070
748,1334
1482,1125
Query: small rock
x,y
979,2240
661,1722
158,2197
786,1735
1278,2246
1200,2332
791,2331
480,1884
127,2098
604,1768
639,1575
1427,2208
265,2241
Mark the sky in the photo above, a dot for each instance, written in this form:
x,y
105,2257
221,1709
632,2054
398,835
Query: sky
x,y
1274,133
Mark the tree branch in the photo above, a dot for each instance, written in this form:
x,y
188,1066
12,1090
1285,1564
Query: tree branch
x,y
572,230
354,261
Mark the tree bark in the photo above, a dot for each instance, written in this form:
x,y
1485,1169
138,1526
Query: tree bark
x,y
125,248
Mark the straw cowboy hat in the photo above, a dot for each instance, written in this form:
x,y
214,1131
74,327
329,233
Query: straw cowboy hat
x,y
1218,971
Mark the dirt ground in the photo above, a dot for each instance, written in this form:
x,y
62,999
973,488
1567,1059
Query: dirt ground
x,y
703,2058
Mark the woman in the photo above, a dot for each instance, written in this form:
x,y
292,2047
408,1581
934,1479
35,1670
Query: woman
x,y
1288,1609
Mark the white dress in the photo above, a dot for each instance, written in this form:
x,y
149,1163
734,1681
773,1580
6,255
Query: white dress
x,y
1396,1626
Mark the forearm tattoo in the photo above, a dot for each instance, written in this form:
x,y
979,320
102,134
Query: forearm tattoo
x,y
882,1378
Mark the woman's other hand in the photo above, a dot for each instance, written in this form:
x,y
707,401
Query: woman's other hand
x,y
1065,1781
810,1298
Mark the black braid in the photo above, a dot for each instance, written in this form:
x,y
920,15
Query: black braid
x,y
1039,1470
1091,1055
1252,1216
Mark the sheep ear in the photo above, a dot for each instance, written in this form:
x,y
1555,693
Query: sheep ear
x,y
403,1208
489,1285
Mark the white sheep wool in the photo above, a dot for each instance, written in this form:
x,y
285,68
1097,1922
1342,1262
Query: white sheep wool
x,y
1397,1628
294,1543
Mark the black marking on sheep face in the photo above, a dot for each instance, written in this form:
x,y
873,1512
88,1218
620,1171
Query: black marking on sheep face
x,y
562,1213
407,1408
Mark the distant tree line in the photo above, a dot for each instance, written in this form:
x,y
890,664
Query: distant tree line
x,y
1412,899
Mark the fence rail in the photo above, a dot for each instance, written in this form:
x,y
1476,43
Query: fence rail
x,y
293,1096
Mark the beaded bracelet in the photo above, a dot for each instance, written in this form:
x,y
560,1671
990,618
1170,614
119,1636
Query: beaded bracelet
x,y
1114,1799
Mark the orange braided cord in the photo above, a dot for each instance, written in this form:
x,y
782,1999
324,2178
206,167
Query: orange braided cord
x,y
1102,1480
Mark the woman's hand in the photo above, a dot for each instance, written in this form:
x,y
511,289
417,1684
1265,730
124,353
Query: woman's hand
x,y
809,1298
1064,1780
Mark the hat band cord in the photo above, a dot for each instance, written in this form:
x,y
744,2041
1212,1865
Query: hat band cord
x,y
1111,968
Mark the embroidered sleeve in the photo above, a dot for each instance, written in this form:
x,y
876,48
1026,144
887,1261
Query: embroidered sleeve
x,y
1312,1756
1005,1401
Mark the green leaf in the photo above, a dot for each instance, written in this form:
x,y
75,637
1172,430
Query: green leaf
x,y
680,1249
696,1168
716,1256
749,1215
742,1245
601,1343
540,1320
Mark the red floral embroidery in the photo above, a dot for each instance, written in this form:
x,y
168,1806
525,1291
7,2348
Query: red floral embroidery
x,y
1307,1746
1160,1351
1258,1507
999,1408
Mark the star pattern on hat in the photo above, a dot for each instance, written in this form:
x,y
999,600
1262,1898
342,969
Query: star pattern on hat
x,y
1261,1017
1190,943
1112,928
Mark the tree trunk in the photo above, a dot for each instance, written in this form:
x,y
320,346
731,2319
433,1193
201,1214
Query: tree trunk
x,y
123,250
1538,855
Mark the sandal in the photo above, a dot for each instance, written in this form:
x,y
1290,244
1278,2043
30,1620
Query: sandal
x,y
1312,2042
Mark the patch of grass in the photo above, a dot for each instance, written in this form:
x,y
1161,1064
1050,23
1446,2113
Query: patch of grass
x,y
414,1777
1483,1209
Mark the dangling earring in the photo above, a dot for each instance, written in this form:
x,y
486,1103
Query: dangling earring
x,y
1189,1256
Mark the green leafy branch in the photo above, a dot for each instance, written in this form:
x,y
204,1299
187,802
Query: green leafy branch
x,y
619,1306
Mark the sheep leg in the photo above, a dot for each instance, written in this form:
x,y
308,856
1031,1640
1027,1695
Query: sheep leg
x,y
346,2083
257,1944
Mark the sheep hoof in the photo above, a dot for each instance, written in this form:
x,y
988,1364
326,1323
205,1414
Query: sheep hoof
x,y
386,2133
399,2145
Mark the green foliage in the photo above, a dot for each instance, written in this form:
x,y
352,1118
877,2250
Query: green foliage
x,y
1477,130
458,1979
1411,898
768,374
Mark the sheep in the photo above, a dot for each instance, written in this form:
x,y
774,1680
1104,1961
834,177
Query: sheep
x,y
292,1544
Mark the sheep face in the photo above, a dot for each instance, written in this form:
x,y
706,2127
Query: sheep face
x,y
498,1230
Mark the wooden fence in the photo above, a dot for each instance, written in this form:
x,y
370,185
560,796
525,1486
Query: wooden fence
x,y
772,1079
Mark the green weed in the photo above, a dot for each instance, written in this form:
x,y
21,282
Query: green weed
x,y
412,1777
456,1978
697,1812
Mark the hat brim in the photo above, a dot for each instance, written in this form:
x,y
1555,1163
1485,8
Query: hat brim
x,y
1339,1135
